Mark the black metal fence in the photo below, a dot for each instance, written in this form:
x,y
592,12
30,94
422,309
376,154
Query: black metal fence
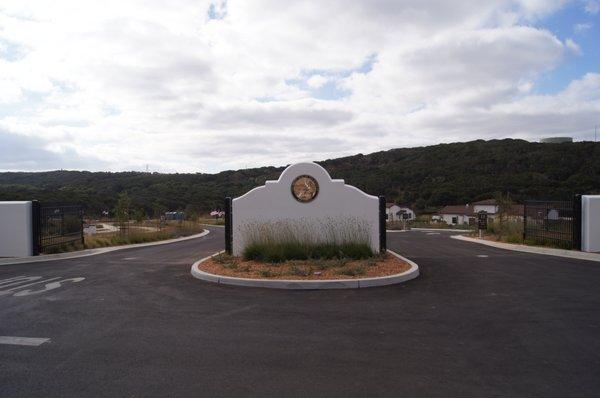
x,y
55,226
228,225
556,223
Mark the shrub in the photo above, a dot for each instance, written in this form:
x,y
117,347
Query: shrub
x,y
509,231
515,238
280,252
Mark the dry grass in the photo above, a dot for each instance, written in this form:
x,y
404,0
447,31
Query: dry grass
x,y
140,235
283,240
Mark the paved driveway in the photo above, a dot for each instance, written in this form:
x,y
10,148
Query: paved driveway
x,y
507,324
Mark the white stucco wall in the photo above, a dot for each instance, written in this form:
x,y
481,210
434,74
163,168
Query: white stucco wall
x,y
590,223
274,202
15,229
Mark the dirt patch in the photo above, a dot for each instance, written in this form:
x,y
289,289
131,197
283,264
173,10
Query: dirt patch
x,y
306,269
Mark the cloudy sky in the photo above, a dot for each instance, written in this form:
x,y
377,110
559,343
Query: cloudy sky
x,y
206,86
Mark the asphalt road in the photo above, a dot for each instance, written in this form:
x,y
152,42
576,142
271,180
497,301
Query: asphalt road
x,y
138,325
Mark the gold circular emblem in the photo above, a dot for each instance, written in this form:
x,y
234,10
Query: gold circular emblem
x,y
305,188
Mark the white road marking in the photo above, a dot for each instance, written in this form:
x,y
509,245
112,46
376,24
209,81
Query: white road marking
x,y
482,256
30,341
48,286
16,286
433,233
12,289
17,280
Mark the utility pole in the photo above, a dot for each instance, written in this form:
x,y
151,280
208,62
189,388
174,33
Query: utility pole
x,y
595,133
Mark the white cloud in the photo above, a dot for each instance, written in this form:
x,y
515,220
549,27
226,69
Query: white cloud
x,y
582,27
208,85
316,81
572,46
592,7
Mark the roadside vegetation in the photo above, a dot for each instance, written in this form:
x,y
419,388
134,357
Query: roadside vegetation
x,y
280,241
512,232
424,177
133,235
212,221
424,221
510,229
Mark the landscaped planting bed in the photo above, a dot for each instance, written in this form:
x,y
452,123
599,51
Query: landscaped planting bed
x,y
286,249
310,269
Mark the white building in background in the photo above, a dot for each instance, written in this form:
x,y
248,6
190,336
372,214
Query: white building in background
x,y
455,215
467,214
488,205
394,212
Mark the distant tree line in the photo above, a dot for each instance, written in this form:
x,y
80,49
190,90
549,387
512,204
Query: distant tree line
x,y
424,177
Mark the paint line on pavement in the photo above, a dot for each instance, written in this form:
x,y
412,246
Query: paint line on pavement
x,y
29,341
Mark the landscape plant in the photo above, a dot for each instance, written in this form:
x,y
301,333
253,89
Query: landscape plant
x,y
507,230
279,241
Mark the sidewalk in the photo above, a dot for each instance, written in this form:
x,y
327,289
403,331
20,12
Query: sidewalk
x,y
533,249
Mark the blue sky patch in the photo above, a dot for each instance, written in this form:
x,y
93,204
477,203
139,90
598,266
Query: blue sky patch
x,y
217,10
11,51
330,89
571,22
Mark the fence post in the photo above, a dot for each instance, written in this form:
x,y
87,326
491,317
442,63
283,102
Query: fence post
x,y
35,227
382,225
82,236
576,225
228,226
525,222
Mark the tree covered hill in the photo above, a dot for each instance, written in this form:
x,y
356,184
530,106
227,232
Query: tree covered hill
x,y
425,177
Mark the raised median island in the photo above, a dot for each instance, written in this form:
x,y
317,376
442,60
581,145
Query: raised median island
x,y
336,273
305,231
313,269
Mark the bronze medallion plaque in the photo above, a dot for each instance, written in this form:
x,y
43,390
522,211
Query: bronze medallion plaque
x,y
305,188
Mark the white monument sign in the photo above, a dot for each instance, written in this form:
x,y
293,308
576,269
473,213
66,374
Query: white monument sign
x,y
305,194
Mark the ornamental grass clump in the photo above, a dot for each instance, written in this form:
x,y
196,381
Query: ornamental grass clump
x,y
284,240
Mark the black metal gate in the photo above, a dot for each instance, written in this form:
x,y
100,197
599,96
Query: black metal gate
x,y
55,226
556,223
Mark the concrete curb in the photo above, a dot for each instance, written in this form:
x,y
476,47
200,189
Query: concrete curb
x,y
441,229
533,249
93,252
411,273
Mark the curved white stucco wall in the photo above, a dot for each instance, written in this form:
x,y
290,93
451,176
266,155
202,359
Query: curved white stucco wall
x,y
274,202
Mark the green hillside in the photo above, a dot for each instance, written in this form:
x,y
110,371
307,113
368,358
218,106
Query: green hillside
x,y
426,177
